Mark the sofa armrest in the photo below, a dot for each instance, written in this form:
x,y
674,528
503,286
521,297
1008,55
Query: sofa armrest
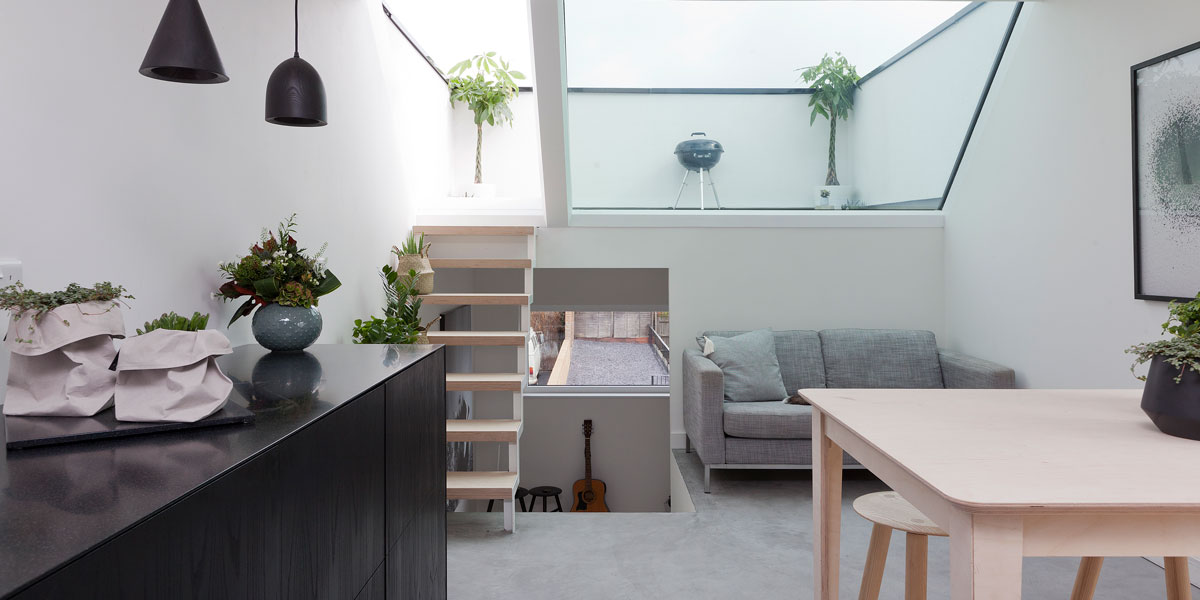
x,y
703,406
961,371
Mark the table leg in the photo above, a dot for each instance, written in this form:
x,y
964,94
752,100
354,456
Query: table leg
x,y
985,557
827,510
1179,584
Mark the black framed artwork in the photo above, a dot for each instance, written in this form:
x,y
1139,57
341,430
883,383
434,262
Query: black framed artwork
x,y
1166,175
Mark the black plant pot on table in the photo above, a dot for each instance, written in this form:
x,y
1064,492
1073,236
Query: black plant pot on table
x,y
1173,407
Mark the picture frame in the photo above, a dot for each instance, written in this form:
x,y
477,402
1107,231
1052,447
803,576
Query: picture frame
x,y
1165,111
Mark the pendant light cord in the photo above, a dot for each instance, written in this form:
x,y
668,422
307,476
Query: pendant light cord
x,y
297,29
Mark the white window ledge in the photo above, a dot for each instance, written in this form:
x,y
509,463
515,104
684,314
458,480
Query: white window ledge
x,y
756,218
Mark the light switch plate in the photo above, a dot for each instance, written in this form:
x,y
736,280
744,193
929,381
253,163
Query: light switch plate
x,y
10,271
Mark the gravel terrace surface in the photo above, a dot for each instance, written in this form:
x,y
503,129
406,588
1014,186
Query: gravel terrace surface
x,y
612,363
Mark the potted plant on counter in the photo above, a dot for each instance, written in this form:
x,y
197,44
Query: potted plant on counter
x,y
833,81
62,348
168,372
286,283
1171,397
487,85
413,255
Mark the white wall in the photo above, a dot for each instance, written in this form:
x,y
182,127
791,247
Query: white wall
x,y
109,175
772,277
622,148
1039,263
911,118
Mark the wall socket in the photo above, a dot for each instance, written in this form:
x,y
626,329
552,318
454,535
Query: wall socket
x,y
10,271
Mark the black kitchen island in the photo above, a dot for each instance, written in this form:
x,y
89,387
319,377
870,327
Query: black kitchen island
x,y
337,490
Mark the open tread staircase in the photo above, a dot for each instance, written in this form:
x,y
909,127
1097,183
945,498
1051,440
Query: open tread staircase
x,y
486,485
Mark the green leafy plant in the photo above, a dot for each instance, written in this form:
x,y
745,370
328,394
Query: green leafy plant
x,y
1182,349
175,322
486,84
833,81
412,246
401,322
277,271
19,299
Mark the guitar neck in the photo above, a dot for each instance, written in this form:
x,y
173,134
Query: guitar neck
x,y
587,461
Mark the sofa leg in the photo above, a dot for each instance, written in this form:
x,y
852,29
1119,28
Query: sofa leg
x,y
707,478
687,444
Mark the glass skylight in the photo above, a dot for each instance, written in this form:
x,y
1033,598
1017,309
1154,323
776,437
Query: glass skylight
x,y
744,44
452,30
698,105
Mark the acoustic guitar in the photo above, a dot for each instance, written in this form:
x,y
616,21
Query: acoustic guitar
x,y
588,492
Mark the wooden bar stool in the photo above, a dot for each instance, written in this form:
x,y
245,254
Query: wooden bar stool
x,y
1179,584
888,511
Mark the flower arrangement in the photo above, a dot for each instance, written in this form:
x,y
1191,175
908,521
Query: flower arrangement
x,y
277,271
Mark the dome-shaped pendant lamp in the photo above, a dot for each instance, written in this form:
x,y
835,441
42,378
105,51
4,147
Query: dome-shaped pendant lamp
x,y
182,49
295,93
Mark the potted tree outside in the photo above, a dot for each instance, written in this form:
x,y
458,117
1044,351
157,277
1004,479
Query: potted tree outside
x,y
1171,397
833,82
487,85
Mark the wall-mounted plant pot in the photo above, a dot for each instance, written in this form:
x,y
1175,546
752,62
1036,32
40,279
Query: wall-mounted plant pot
x,y
475,190
837,197
1173,407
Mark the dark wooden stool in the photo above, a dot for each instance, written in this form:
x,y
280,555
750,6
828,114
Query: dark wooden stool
x,y
543,492
521,493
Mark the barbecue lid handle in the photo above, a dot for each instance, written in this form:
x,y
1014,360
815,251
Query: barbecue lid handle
x,y
696,133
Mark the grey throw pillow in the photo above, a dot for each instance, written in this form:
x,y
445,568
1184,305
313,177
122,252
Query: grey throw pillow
x,y
748,365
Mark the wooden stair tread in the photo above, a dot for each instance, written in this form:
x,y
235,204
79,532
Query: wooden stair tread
x,y
483,430
484,382
473,230
480,485
478,338
476,299
481,263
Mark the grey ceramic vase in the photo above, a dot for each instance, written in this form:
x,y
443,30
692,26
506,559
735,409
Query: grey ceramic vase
x,y
286,328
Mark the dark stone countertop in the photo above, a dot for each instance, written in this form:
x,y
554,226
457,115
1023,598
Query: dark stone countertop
x,y
58,502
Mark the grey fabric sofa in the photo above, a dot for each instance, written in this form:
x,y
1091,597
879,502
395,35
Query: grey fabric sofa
x,y
773,434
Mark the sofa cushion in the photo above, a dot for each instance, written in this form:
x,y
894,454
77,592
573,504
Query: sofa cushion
x,y
748,366
768,420
880,358
800,360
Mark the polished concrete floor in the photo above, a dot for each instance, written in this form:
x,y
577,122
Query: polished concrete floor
x,y
749,538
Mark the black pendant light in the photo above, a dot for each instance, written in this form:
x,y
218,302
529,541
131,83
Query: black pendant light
x,y
295,93
182,49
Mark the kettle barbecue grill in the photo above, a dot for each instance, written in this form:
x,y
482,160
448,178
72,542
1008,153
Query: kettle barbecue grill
x,y
698,154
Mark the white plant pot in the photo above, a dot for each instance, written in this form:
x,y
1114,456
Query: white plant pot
x,y
838,196
475,190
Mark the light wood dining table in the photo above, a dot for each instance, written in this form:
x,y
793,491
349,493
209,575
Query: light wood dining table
x,y
1009,474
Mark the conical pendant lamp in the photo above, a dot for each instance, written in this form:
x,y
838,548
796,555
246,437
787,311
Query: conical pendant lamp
x,y
295,93
182,49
